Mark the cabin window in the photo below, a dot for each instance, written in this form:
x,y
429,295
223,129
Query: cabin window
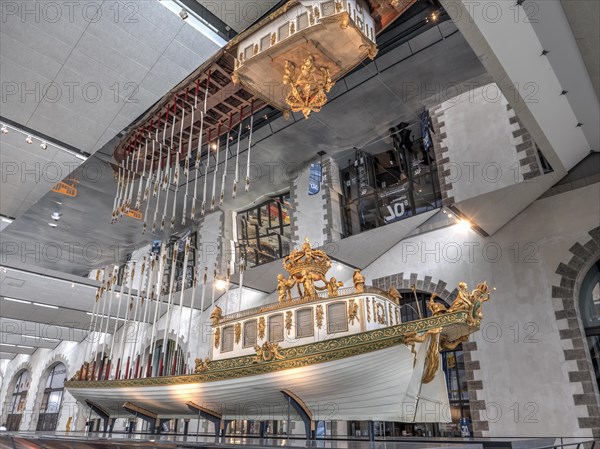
x,y
265,42
304,323
302,21
328,8
284,31
249,334
227,339
276,328
337,320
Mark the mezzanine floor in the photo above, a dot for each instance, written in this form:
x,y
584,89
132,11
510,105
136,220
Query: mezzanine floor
x,y
75,440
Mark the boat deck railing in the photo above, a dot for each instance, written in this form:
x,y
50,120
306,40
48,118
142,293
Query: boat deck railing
x,y
342,292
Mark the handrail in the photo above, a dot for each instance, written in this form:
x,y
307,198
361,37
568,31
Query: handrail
x,y
342,293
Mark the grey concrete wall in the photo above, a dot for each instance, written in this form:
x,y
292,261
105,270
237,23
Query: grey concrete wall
x,y
522,366
481,145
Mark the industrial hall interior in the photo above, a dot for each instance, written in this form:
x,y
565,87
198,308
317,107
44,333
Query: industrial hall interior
x,y
355,224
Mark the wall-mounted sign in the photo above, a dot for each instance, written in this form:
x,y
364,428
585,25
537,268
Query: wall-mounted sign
x,y
314,178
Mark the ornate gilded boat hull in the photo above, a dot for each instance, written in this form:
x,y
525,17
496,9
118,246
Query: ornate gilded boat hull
x,y
370,375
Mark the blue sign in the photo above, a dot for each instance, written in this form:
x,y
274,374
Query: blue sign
x,y
425,126
465,427
314,178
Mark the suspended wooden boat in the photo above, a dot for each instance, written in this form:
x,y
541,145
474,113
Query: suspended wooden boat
x,y
342,353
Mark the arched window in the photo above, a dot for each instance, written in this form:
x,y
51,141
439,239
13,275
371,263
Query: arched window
x,y
52,398
589,306
453,362
17,403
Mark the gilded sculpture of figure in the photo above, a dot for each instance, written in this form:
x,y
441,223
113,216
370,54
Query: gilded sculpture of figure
x,y
284,288
308,284
463,300
359,281
436,307
333,285
201,365
394,295
216,315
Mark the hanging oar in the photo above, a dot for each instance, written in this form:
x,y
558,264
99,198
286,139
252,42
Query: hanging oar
x,y
206,167
237,154
216,170
247,188
222,196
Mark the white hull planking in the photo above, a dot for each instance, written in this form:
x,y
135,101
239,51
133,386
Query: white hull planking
x,y
379,385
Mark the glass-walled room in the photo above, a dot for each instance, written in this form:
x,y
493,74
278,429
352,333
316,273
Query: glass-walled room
x,y
390,179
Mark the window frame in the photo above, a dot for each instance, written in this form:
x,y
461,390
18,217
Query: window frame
x,y
312,321
345,317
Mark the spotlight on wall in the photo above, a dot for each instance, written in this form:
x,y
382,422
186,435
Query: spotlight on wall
x,y
464,225
183,14
43,145
29,140
4,129
213,146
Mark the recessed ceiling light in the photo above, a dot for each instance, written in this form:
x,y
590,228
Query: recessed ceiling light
x,y
48,306
7,220
72,284
17,300
183,14
25,347
52,225
29,140
56,215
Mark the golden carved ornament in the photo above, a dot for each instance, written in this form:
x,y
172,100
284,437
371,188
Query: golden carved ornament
x,y
298,356
391,314
305,267
292,28
317,12
201,365
273,39
338,6
261,327
471,302
267,352
308,87
379,312
238,332
352,311
344,20
359,281
288,321
394,295
397,316
255,49
319,316
368,307
217,337
216,315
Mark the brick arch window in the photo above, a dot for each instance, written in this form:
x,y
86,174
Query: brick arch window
x,y
52,398
16,407
589,308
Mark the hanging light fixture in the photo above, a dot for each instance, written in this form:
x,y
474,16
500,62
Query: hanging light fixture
x,y
4,129
29,140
